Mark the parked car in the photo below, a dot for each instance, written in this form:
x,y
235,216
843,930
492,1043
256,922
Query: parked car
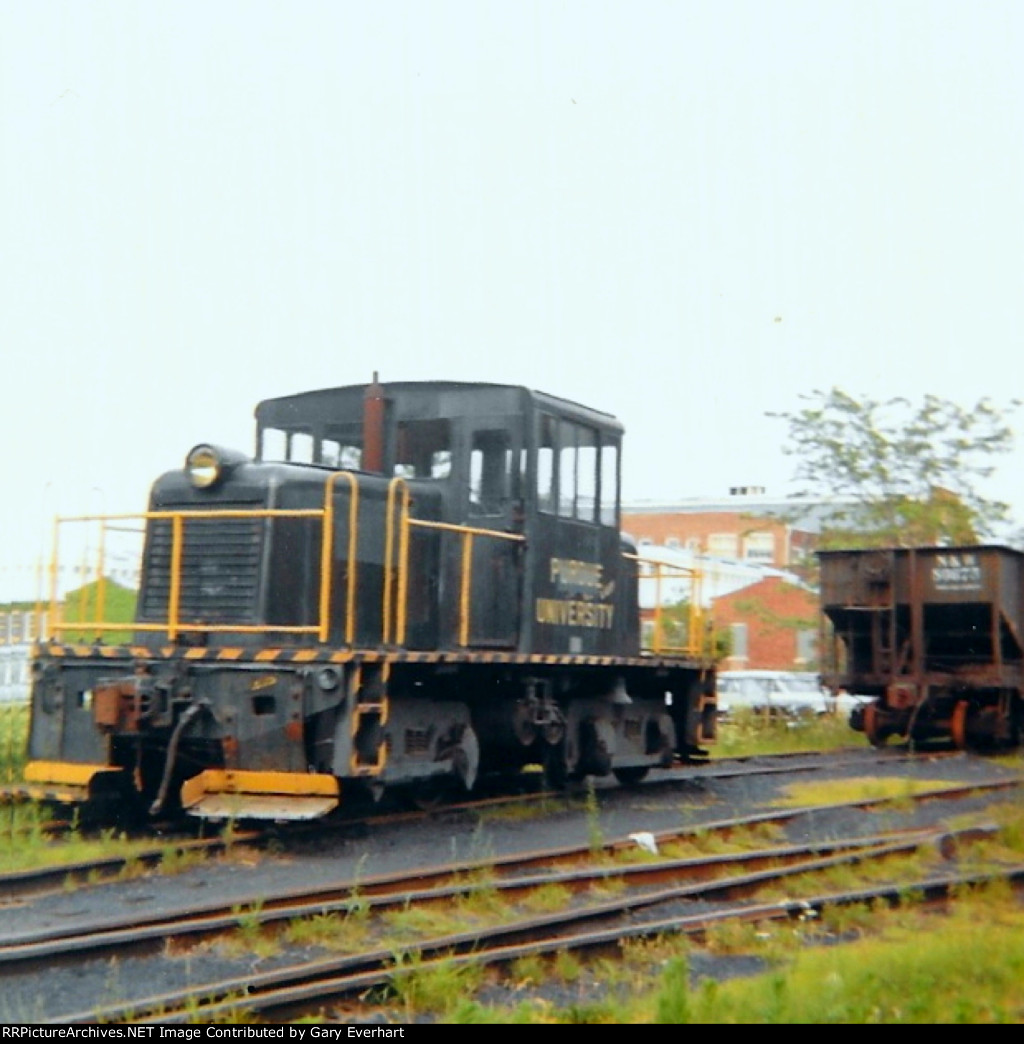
x,y
844,703
789,694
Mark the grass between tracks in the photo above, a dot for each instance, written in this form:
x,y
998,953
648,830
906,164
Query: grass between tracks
x,y
748,733
860,963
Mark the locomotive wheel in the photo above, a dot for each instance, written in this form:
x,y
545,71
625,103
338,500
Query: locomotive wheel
x,y
629,777
556,772
466,761
428,795
958,725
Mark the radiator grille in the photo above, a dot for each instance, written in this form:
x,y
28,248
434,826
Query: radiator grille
x,y
220,568
417,741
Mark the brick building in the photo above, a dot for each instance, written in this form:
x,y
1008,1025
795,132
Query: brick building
x,y
751,548
773,625
747,526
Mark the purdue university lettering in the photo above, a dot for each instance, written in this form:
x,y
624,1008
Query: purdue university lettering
x,y
568,612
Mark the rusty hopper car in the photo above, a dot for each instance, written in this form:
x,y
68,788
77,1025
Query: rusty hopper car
x,y
934,634
408,585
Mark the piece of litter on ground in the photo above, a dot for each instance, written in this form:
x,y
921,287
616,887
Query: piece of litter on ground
x,y
645,840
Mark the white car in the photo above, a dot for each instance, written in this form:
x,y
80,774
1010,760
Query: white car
x,y
783,693
844,703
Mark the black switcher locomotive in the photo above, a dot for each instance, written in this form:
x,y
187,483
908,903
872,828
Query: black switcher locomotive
x,y
410,585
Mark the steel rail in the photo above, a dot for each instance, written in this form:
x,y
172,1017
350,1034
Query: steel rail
x,y
60,942
336,976
26,882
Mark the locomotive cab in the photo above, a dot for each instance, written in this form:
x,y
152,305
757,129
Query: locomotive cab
x,y
542,471
409,583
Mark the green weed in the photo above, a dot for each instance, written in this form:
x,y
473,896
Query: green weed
x,y
437,986
672,1004
547,898
567,966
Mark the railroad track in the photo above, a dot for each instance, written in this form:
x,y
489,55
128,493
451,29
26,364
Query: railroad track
x,y
308,985
645,886
295,991
58,875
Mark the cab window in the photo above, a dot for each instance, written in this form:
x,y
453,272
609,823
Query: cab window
x,y
490,472
423,449
546,446
577,471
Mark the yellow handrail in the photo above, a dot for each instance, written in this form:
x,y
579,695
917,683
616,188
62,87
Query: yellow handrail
x,y
466,576
173,624
174,598
698,640
396,567
396,484
327,556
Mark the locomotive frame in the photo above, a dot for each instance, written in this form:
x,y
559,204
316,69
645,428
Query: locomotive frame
x,y
410,584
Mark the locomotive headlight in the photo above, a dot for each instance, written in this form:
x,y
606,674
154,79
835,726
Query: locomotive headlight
x,y
207,464
204,465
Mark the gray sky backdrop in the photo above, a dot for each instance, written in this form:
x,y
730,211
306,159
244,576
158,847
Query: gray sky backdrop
x,y
682,212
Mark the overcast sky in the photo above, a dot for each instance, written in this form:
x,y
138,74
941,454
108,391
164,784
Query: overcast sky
x,y
685,213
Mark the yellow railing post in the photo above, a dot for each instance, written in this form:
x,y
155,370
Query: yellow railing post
x,y
101,581
174,596
403,569
353,562
327,557
467,583
696,641
326,554
658,645
389,550
54,611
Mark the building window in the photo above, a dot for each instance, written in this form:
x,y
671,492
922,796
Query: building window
x,y
723,545
739,641
806,646
759,547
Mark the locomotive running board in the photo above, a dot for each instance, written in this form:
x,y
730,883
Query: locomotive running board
x,y
223,794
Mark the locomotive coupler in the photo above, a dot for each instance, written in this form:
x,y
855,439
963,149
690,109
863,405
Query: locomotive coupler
x,y
123,704
539,711
129,702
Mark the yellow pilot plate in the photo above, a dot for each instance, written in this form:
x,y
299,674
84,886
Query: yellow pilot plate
x,y
59,794
67,772
226,794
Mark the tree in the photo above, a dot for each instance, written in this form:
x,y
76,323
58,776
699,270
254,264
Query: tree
x,y
672,631
901,474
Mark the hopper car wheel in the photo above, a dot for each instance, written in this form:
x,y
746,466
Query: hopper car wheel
x,y
958,725
872,726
